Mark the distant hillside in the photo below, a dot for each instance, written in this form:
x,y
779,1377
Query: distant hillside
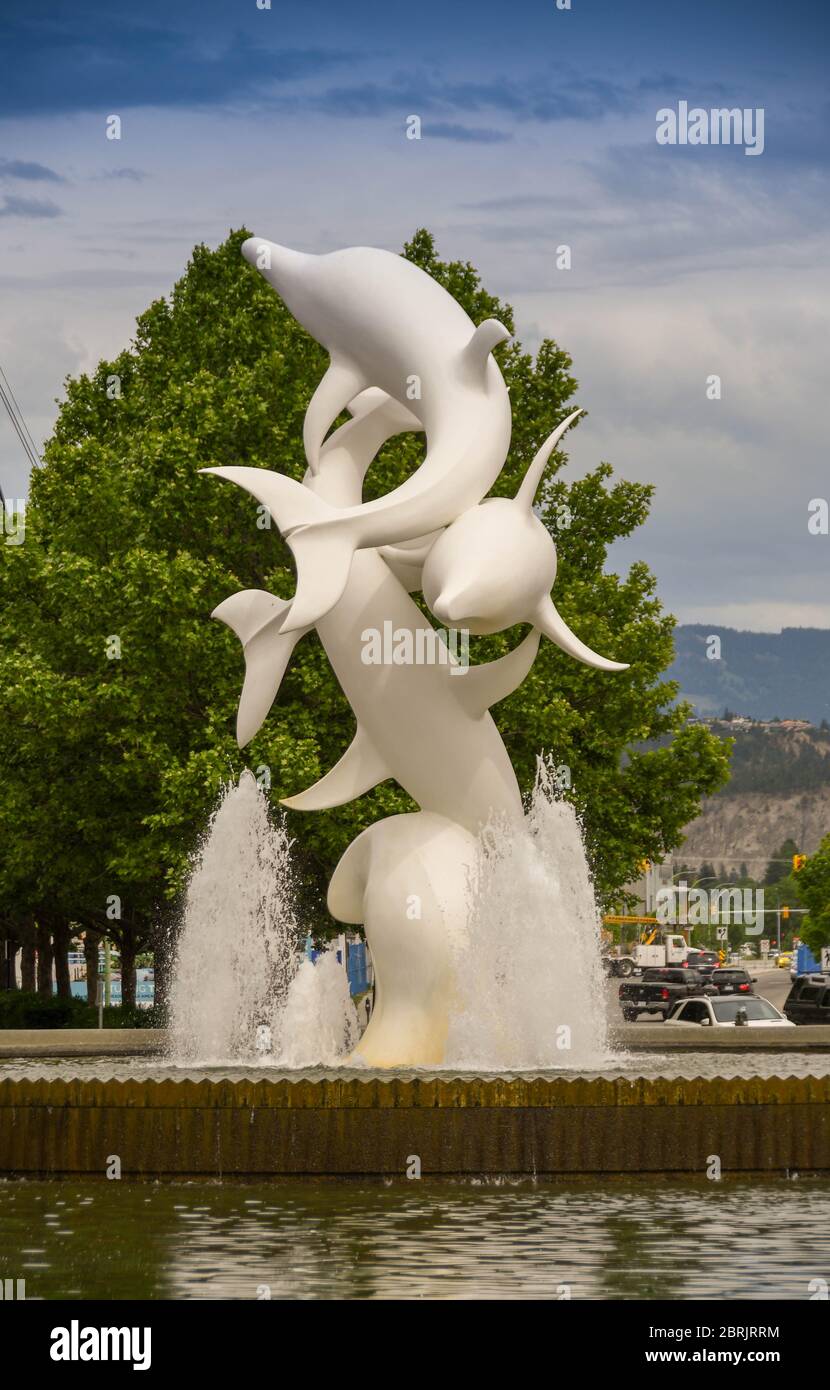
x,y
766,675
775,759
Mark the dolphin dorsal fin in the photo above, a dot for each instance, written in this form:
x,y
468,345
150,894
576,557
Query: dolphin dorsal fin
x,y
341,383
483,686
360,768
487,336
533,477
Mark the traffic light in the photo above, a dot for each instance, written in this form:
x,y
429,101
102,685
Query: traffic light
x,y
799,860
785,914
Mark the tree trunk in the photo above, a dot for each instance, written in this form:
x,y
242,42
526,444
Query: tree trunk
x,y
92,940
61,939
27,967
8,977
127,968
45,958
163,951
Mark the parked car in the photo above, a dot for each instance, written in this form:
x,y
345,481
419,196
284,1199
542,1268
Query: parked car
x,y
703,961
809,999
717,1012
732,979
659,988
784,960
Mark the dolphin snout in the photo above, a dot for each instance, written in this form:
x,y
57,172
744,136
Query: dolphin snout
x,y
278,263
450,606
250,249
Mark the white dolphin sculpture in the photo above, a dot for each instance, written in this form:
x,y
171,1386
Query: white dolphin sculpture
x,y
426,725
387,324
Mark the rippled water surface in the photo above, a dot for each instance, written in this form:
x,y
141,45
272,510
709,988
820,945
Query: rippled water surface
x,y
344,1240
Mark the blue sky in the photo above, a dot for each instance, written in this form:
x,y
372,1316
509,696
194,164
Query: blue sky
x,y
538,129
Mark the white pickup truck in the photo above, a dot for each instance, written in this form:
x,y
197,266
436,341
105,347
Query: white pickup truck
x,y
750,1011
671,950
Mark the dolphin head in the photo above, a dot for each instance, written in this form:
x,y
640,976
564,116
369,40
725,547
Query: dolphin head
x,y
313,290
292,275
383,320
487,570
495,566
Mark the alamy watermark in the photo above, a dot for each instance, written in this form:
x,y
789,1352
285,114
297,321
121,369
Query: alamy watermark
x,y
421,646
695,907
719,126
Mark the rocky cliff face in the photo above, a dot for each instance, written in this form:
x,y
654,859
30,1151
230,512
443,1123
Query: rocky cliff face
x,y
749,826
779,790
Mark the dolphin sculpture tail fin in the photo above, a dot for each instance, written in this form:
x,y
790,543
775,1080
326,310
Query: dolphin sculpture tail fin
x,y
323,554
255,616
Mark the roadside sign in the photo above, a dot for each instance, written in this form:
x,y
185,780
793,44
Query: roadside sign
x,y
722,933
764,946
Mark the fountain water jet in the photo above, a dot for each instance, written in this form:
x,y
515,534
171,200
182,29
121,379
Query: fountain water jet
x,y
242,990
529,980
237,951
319,1024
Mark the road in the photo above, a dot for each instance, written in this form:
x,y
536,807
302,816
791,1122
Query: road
x,y
772,983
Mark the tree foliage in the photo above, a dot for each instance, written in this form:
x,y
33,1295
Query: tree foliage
x,y
814,891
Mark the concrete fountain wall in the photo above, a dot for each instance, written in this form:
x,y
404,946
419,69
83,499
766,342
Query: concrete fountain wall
x,y
351,1124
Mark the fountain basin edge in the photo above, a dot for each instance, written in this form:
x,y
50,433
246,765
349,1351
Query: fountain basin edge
x,y
369,1125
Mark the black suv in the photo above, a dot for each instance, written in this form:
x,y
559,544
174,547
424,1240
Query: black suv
x,y
703,961
730,979
809,1000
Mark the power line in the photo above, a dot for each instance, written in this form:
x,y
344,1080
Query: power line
x,y
19,425
20,415
33,460
19,429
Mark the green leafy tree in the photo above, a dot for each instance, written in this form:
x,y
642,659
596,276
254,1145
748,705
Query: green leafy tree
x,y
814,891
122,695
